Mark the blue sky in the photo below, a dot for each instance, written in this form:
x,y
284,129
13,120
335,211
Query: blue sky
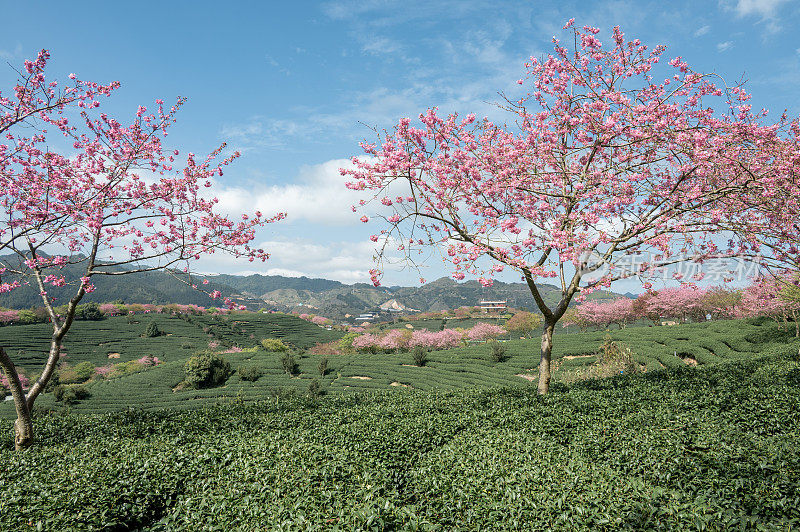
x,y
294,85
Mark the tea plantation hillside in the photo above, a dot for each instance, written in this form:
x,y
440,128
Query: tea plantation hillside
x,y
712,448
94,341
654,348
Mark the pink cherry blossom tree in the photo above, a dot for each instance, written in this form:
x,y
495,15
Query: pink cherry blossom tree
x,y
602,313
679,303
765,215
482,331
600,162
118,202
776,297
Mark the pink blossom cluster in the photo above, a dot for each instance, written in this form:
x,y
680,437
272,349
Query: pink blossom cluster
x,y
22,379
366,341
320,320
234,349
402,339
9,316
110,309
103,371
446,339
484,331
601,313
149,360
767,297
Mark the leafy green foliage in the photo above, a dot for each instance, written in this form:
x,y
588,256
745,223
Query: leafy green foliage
x,y
89,311
69,394
273,344
322,367
250,373
205,370
152,330
289,364
497,351
315,389
714,448
420,355
84,371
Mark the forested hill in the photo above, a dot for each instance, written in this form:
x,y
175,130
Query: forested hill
x,y
322,296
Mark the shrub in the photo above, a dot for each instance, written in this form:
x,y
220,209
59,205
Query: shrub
x,y
314,388
497,351
205,370
70,394
420,355
84,371
26,316
273,344
89,311
346,342
152,330
250,373
322,367
612,359
289,364
187,345
68,375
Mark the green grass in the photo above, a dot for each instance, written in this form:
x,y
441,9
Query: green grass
x,y
711,448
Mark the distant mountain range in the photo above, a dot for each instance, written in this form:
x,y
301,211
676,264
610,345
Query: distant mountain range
x,y
320,296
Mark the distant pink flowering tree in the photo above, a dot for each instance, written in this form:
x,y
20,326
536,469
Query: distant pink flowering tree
x,y
680,303
778,298
721,302
395,340
366,342
320,320
482,331
603,163
123,203
602,313
109,309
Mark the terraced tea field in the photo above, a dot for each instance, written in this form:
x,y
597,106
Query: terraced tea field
x,y
123,337
713,448
655,348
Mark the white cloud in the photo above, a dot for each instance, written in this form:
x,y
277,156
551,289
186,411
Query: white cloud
x,y
702,30
317,195
727,45
342,261
11,55
766,10
762,8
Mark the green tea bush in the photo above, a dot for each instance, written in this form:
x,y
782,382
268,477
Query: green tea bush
x,y
497,351
152,330
315,389
205,370
289,364
274,345
89,311
250,373
69,394
670,450
420,355
84,371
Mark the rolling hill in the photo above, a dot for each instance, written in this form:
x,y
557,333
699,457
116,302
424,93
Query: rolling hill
x,y
321,296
